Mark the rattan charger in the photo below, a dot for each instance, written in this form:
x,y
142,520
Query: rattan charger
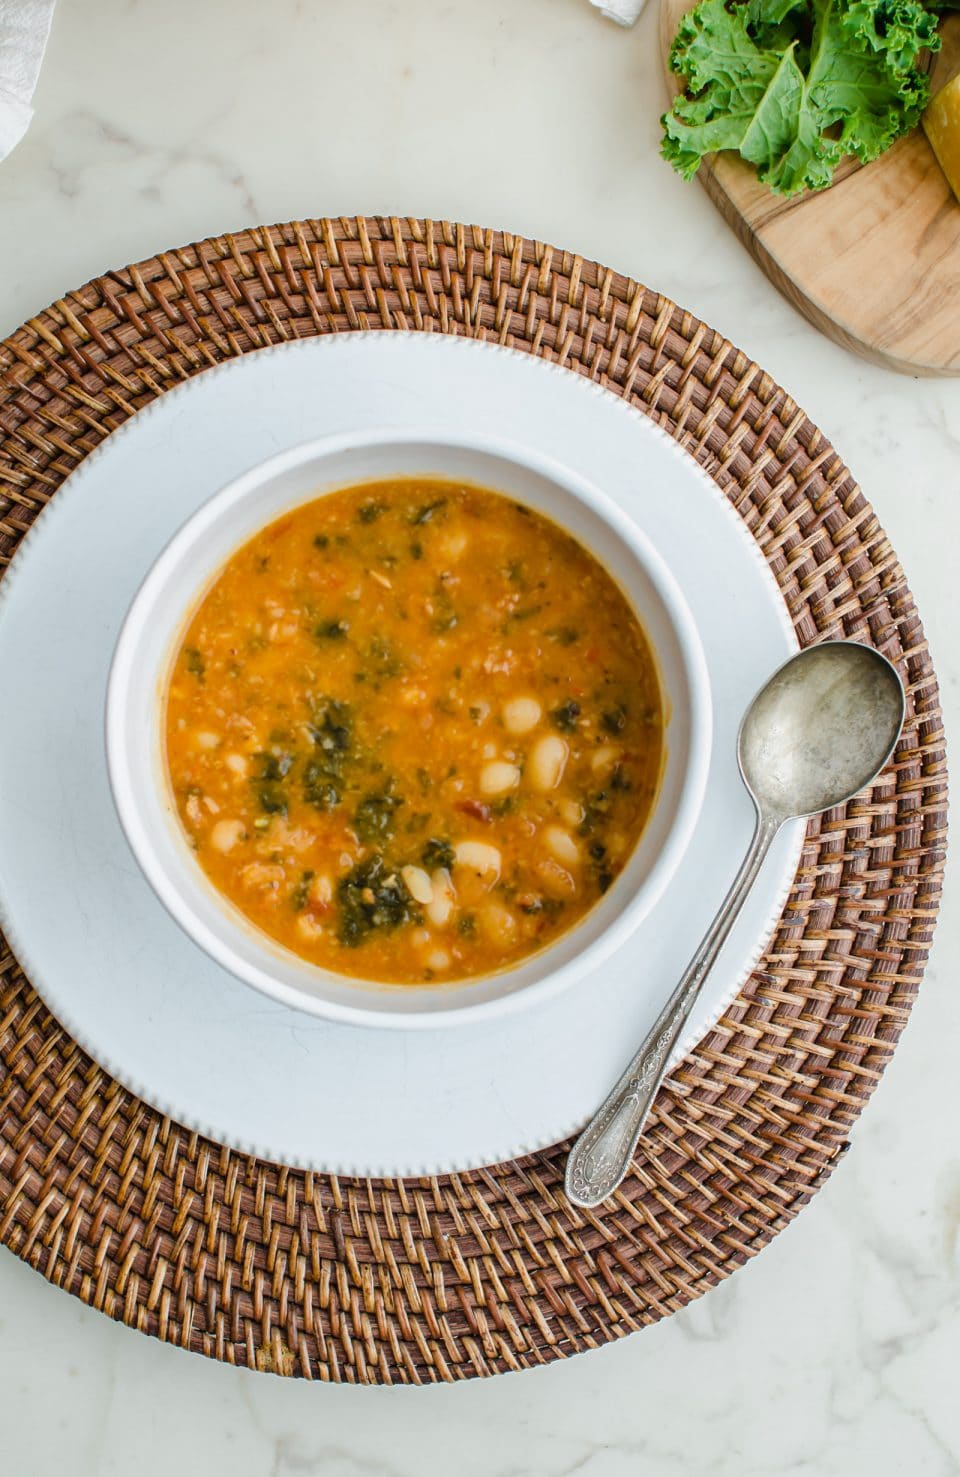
x,y
380,1281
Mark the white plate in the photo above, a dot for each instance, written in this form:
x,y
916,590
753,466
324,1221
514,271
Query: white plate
x,y
117,971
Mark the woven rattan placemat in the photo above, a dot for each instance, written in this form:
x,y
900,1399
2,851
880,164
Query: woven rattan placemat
x,y
440,1279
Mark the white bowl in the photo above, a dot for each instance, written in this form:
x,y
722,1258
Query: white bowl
x,y
169,594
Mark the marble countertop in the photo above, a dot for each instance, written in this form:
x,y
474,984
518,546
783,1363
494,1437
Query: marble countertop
x,y
836,1350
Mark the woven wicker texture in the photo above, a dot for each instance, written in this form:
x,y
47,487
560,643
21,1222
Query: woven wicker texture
x,y
440,1279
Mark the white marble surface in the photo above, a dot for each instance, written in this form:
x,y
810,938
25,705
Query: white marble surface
x,y
836,1351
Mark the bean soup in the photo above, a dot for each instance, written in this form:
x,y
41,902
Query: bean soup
x,y
414,731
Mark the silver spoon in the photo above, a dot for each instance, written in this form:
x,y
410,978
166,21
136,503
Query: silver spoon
x,y
820,730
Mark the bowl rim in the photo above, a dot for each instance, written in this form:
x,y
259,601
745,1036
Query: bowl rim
x,y
638,904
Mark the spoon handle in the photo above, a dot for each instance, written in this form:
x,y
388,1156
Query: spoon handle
x,y
600,1158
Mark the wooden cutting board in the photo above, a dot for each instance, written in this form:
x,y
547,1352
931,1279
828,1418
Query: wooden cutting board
x,y
874,261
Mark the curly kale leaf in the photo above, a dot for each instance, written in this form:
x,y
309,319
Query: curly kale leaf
x,y
794,87
372,898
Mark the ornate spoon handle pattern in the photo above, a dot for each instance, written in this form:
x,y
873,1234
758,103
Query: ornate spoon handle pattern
x,y
601,1156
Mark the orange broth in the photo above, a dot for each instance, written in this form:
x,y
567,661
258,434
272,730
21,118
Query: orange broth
x,y
414,731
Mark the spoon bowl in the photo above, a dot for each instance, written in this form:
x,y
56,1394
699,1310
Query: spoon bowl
x,y
821,729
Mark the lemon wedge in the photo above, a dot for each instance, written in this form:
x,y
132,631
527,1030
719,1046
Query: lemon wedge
x,y
941,124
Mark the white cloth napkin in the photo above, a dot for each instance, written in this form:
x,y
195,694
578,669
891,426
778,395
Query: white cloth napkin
x,y
24,28
624,12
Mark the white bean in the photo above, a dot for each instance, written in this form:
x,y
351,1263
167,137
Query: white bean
x,y
206,740
437,959
556,879
309,928
261,874
236,764
417,883
453,544
561,846
441,903
604,758
547,761
321,890
479,857
497,777
498,923
520,714
226,834
284,836
570,812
